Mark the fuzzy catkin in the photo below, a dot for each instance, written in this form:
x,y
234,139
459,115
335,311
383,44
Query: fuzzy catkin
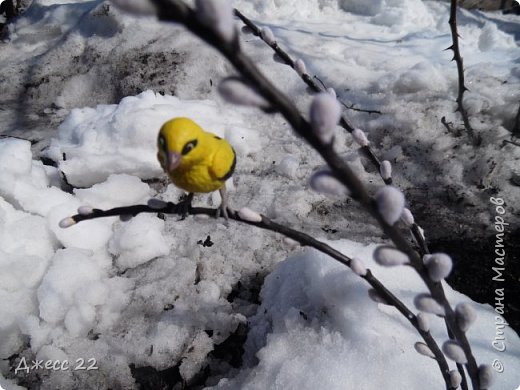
x,y
236,92
299,66
390,203
423,322
423,349
439,266
325,182
455,378
67,222
358,267
325,112
360,137
485,375
390,256
85,210
454,351
217,15
385,170
407,217
426,303
249,215
268,36
465,315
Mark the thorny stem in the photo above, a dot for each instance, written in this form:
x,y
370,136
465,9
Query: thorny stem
x,y
460,71
177,11
476,139
302,238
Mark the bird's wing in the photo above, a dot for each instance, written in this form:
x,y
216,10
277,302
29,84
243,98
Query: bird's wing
x,y
224,161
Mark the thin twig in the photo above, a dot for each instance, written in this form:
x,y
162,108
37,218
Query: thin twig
x,y
351,107
448,125
267,224
460,71
177,11
516,127
511,142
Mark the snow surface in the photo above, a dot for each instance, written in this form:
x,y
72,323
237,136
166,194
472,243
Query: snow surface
x,y
317,329
148,292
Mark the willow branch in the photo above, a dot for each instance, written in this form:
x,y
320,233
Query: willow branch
x,y
177,11
366,150
460,72
369,153
157,206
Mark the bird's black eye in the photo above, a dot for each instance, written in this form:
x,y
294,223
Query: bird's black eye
x,y
189,146
162,142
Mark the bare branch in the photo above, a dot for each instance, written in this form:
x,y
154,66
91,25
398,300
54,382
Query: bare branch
x,y
511,142
157,206
177,11
367,151
516,127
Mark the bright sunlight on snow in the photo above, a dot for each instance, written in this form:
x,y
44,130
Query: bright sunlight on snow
x,y
162,302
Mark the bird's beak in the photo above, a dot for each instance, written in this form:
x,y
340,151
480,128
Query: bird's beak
x,y
174,160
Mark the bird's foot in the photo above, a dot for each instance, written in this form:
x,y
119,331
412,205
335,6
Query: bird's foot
x,y
184,206
223,211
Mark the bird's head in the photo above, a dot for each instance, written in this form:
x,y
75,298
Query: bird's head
x,y
178,143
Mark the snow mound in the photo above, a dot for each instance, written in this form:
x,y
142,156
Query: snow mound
x,y
316,313
93,143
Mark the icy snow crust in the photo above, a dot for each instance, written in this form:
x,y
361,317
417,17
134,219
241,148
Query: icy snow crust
x,y
148,292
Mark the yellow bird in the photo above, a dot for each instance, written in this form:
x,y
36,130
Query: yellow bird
x,y
195,160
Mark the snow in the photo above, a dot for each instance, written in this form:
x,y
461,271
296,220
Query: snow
x,y
316,314
95,85
122,138
288,166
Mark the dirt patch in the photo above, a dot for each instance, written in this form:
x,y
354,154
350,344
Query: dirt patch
x,y
473,271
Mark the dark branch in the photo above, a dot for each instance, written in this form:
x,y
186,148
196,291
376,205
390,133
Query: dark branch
x,y
516,127
314,87
510,142
366,150
177,11
157,206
